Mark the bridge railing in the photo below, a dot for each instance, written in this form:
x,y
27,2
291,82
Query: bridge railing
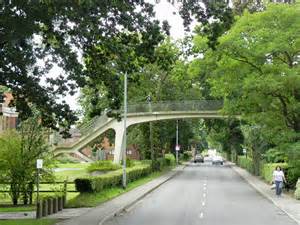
x,y
167,106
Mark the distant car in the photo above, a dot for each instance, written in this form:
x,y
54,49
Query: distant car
x,y
217,160
207,158
198,158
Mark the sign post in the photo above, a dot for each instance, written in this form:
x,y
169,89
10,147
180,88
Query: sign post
x,y
177,148
39,165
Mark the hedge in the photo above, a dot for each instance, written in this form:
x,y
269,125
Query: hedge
x,y
246,163
170,159
113,179
268,168
103,165
297,192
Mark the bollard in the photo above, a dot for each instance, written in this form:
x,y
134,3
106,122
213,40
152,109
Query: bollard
x,y
55,205
39,210
45,208
50,206
60,203
64,199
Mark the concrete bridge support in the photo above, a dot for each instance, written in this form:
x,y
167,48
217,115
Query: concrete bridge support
x,y
119,143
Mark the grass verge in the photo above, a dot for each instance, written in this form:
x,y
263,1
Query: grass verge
x,y
29,222
94,199
5,208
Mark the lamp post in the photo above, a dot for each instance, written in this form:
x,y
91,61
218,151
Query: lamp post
x,y
177,146
125,134
150,130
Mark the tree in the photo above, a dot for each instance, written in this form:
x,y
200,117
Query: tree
x,y
215,17
258,71
59,32
18,154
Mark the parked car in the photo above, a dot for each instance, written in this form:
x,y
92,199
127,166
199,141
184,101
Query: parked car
x,y
198,158
217,160
208,158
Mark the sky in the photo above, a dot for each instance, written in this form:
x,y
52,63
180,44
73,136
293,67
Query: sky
x,y
164,11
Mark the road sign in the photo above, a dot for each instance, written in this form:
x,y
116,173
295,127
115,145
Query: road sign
x,y
39,163
177,148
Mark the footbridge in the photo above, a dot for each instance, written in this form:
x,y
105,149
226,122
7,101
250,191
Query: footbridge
x,y
140,113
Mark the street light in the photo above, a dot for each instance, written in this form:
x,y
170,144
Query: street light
x,y
177,146
150,130
125,134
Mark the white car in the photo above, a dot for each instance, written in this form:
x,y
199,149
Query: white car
x,y
217,160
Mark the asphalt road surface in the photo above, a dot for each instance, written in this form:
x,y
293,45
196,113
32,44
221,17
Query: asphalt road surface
x,y
204,194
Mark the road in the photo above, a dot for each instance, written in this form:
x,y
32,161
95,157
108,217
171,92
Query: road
x,y
204,194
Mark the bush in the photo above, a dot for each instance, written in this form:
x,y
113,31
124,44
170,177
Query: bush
x,y
114,179
186,156
129,163
170,159
104,165
297,192
246,163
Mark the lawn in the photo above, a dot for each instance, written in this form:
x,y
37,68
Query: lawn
x,y
29,222
9,208
94,199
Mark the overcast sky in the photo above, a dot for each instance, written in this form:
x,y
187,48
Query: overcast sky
x,y
164,11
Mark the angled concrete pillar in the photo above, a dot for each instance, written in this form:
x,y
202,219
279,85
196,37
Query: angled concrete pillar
x,y
119,145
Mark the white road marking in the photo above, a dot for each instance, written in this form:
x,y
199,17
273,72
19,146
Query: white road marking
x,y
201,215
204,188
203,203
204,195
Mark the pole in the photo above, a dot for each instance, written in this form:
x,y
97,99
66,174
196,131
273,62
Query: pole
x,y
37,194
177,142
151,134
125,135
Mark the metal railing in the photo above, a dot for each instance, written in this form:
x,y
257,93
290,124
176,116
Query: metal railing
x,y
167,106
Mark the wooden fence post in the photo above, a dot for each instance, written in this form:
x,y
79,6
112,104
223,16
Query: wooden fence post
x,y
38,210
65,193
45,207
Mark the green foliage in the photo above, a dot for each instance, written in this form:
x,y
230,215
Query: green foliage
x,y
297,192
267,170
251,66
186,156
29,222
18,154
246,163
114,179
54,32
170,159
103,165
274,155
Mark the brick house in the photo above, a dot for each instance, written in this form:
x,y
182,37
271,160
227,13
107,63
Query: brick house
x,y
9,116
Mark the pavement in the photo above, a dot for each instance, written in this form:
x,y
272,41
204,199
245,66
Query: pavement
x,y
286,203
204,194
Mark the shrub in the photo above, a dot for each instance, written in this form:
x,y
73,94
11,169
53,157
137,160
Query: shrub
x,y
246,163
170,159
186,156
114,179
104,165
129,163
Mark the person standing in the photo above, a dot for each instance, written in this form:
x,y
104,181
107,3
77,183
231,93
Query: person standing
x,y
278,179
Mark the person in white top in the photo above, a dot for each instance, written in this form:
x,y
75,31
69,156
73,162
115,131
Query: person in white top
x,y
278,179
